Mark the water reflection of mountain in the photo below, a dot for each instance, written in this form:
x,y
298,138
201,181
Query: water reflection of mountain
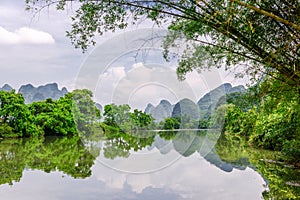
x,y
187,143
164,146
74,158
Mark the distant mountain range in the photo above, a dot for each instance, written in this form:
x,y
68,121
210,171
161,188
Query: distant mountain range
x,y
208,102
6,87
40,93
202,110
32,94
186,107
163,110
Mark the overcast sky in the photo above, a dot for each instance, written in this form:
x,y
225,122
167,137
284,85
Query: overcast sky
x,y
34,49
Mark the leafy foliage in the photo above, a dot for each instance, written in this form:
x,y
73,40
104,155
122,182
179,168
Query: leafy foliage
x,y
141,119
171,123
85,112
119,116
75,113
263,36
15,116
54,117
273,123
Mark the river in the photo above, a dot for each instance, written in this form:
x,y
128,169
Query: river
x,y
149,165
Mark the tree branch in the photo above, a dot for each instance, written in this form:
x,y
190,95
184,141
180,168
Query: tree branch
x,y
271,15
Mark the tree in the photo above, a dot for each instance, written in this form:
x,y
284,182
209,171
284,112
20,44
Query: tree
x,y
84,109
140,119
263,35
118,116
54,117
169,124
15,118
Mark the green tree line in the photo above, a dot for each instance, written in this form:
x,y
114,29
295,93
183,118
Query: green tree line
x,y
268,120
74,114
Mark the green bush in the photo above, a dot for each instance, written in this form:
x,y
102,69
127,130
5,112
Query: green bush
x,y
6,131
291,150
273,130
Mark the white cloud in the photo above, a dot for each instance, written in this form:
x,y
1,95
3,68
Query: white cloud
x,y
136,65
25,35
141,85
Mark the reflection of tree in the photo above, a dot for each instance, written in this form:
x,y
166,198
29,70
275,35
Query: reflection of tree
x,y
167,135
116,148
233,152
70,156
281,178
11,161
119,144
188,142
67,155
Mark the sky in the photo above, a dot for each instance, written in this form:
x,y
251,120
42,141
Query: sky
x,y
121,68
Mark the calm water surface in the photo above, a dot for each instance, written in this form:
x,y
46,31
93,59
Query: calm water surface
x,y
163,165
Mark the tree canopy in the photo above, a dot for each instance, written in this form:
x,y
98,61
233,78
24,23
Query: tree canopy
x,y
72,114
120,117
264,36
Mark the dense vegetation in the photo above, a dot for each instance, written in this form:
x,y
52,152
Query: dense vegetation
x,y
121,119
74,114
271,122
47,117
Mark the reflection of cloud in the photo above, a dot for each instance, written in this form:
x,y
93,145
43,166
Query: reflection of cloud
x,y
25,35
190,178
136,65
48,186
